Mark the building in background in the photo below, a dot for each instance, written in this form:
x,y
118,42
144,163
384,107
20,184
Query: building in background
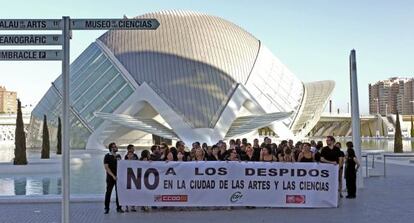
x,y
196,78
388,96
8,103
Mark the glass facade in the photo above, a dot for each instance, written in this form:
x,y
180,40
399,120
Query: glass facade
x,y
96,85
274,87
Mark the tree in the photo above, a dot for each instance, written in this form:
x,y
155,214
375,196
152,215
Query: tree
x,y
59,138
19,138
412,127
398,146
45,140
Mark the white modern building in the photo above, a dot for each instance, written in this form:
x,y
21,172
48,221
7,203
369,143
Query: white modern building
x,y
196,78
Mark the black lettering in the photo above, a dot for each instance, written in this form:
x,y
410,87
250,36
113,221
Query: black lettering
x,y
170,171
261,172
222,171
156,179
313,172
136,179
283,172
301,172
197,172
210,171
272,172
324,173
249,171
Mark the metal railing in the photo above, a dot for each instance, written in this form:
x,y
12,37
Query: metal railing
x,y
395,155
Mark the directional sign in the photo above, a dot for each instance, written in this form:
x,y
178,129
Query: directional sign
x,y
30,24
78,24
31,54
31,40
102,24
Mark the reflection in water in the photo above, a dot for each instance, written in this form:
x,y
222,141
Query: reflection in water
x,y
46,185
20,186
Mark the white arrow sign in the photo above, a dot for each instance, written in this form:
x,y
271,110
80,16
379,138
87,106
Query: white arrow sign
x,y
30,54
31,40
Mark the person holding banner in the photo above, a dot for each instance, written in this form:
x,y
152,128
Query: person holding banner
x,y
110,164
330,154
130,156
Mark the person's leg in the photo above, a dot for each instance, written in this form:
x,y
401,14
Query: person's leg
x,y
340,182
109,186
348,186
353,186
118,207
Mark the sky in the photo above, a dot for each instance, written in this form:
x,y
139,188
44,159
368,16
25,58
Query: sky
x,y
312,38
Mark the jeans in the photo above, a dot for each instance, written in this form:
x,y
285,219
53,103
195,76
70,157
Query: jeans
x,y
110,184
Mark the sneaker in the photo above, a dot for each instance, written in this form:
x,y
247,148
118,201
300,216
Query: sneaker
x,y
106,211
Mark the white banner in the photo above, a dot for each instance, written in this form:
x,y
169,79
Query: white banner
x,y
260,184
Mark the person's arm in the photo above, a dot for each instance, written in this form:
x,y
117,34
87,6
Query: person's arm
x,y
109,171
323,160
357,163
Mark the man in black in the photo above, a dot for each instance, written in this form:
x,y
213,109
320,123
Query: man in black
x,y
330,153
180,145
110,164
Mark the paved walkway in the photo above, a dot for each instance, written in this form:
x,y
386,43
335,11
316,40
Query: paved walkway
x,y
389,199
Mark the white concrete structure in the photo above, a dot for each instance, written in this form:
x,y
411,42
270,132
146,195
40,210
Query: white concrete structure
x,y
195,78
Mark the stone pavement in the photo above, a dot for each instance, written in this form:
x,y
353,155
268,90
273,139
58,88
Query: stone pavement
x,y
389,199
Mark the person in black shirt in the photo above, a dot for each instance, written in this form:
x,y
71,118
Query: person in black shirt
x,y
110,164
351,169
330,153
256,150
131,149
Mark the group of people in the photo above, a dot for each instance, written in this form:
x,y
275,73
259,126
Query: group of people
x,y
241,150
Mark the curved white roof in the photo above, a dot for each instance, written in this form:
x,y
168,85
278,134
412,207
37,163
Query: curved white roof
x,y
194,56
316,96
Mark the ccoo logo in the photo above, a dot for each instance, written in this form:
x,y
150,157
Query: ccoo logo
x,y
236,197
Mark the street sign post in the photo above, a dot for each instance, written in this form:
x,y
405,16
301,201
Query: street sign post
x,y
65,25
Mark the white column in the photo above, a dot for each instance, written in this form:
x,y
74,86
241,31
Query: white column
x,y
356,123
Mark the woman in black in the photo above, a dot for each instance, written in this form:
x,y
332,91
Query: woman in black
x,y
306,155
351,169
